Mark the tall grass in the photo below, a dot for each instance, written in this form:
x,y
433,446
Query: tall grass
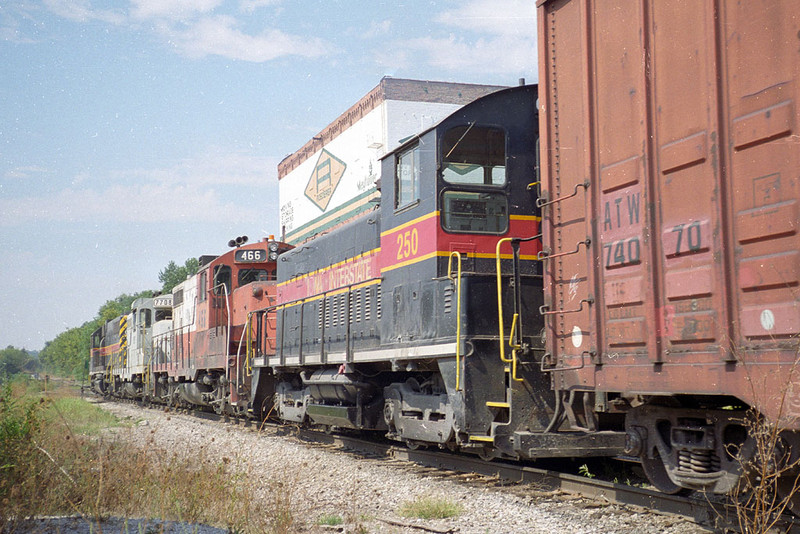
x,y
55,458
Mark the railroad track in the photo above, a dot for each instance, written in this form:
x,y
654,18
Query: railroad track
x,y
717,515
506,476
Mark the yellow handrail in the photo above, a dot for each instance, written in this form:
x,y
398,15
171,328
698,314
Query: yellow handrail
x,y
514,348
147,382
458,313
500,303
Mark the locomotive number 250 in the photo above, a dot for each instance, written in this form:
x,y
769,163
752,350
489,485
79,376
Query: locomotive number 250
x,y
407,244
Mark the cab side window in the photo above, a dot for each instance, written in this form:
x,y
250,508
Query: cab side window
x,y
203,289
407,178
222,280
471,212
145,318
247,276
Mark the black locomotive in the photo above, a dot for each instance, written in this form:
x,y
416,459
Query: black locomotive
x,y
421,319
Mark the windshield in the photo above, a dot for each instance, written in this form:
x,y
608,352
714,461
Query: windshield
x,y
474,155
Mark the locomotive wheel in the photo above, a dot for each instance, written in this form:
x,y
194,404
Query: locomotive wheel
x,y
658,477
488,453
415,445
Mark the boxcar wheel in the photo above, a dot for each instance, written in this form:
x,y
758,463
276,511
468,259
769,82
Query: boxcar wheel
x,y
658,477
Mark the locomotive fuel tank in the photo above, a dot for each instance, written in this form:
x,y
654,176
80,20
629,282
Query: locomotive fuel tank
x,y
332,386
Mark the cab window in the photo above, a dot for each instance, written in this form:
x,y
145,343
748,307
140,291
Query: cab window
x,y
474,213
203,286
97,337
474,155
407,178
222,277
144,317
252,275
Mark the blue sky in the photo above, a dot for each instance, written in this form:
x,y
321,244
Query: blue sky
x,y
137,132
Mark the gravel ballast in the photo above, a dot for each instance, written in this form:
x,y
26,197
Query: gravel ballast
x,y
368,494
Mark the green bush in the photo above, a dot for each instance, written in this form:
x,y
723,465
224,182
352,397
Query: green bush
x,y
330,520
20,419
430,508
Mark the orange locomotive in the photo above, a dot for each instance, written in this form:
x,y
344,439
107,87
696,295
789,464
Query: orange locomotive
x,y
190,348
201,355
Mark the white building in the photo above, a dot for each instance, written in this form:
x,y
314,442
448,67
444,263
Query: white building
x,y
332,177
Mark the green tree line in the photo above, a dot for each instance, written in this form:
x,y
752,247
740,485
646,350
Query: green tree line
x,y
68,353
14,361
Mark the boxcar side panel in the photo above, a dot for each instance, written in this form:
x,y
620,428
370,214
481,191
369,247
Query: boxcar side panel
x,y
566,160
682,117
620,191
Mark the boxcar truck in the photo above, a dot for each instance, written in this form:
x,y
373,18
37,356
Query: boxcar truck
x,y
671,215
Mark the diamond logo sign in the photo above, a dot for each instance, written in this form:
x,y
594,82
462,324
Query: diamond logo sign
x,y
324,178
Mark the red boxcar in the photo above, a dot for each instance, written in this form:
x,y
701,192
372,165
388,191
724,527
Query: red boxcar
x,y
671,167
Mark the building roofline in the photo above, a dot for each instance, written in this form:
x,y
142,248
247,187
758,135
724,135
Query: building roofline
x,y
389,88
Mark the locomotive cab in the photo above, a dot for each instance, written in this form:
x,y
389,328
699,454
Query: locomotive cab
x,y
130,358
455,192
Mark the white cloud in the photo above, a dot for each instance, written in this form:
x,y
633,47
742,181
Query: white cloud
x,y
494,36
218,35
214,167
498,55
192,190
195,28
18,23
21,173
82,11
140,203
10,31
172,9
498,17
377,29
248,6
